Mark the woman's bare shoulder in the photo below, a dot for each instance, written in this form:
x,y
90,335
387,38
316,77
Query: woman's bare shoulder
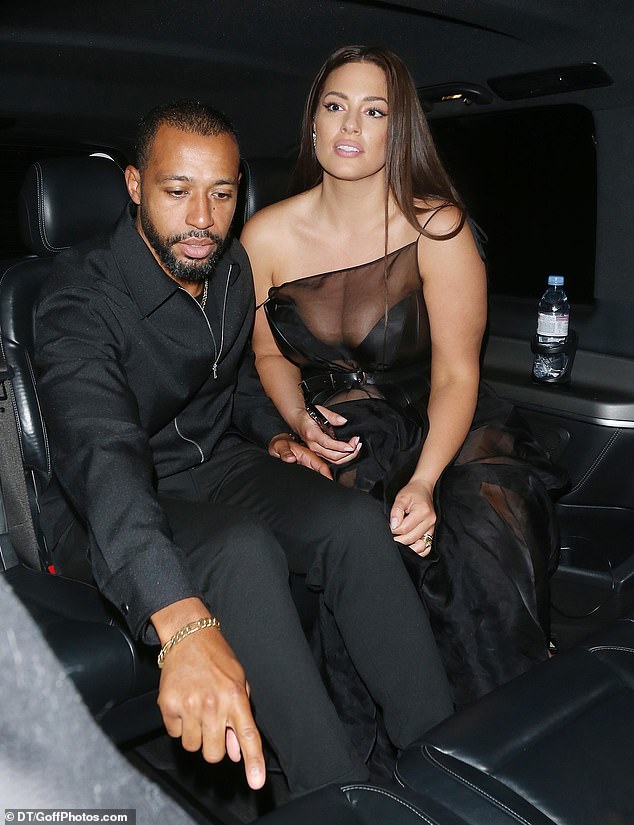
x,y
276,219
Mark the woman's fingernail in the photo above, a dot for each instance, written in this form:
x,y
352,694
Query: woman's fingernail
x,y
393,522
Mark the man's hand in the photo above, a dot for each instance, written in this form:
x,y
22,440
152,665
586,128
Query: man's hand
x,y
283,447
204,695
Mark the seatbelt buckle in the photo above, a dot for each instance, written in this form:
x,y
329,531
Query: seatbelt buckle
x,y
6,374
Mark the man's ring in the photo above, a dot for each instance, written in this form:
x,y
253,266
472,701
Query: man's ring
x,y
428,539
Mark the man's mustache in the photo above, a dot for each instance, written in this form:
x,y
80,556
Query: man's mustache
x,y
195,233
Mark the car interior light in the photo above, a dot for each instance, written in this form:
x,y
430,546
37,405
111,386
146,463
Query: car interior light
x,y
466,93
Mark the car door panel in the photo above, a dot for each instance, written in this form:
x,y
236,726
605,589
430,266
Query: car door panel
x,y
587,427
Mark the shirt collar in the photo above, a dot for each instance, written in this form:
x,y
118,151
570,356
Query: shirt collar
x,y
148,284
146,281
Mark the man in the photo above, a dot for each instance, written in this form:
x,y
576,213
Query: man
x,y
158,423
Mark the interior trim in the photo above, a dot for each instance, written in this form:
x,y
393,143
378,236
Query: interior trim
x,y
601,390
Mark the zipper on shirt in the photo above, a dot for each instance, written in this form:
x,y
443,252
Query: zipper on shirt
x,y
217,352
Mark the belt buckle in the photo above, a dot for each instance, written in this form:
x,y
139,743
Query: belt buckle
x,y
359,377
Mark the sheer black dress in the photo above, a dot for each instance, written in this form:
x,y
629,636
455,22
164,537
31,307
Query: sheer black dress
x,y
361,339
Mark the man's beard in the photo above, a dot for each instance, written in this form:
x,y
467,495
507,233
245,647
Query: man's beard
x,y
182,270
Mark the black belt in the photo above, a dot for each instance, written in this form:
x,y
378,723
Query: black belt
x,y
338,381
400,385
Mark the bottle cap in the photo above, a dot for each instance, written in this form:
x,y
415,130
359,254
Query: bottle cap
x,y
555,280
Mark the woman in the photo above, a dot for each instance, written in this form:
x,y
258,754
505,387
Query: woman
x,y
375,295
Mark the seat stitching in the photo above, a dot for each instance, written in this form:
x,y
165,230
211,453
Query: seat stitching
x,y
618,648
40,211
597,461
474,787
40,218
249,193
394,798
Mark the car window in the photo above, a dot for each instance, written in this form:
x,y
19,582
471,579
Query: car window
x,y
529,180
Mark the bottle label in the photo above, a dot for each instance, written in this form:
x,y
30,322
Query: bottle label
x,y
553,326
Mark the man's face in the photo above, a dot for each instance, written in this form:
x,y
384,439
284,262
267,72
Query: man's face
x,y
186,197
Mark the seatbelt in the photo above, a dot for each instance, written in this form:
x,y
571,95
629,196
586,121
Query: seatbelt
x,y
14,491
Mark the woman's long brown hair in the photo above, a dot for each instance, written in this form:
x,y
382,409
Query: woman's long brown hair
x,y
413,169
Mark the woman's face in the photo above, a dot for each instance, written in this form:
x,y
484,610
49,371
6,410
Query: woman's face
x,y
351,122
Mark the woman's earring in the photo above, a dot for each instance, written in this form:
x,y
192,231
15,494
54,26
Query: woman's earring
x,y
314,138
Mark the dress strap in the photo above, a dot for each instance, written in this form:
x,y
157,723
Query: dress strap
x,y
479,235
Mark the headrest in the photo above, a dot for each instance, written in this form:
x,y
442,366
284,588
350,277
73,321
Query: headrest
x,y
64,201
264,181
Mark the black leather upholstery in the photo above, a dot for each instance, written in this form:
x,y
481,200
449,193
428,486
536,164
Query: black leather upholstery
x,y
94,648
264,181
554,746
363,805
19,287
64,201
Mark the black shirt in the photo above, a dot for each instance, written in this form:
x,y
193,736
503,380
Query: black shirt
x,y
125,359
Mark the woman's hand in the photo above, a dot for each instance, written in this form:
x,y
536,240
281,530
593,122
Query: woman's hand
x,y
330,449
284,447
413,516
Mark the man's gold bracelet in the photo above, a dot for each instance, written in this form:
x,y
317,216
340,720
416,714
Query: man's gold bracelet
x,y
183,633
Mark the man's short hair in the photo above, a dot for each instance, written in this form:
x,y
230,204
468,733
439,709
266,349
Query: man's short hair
x,y
186,115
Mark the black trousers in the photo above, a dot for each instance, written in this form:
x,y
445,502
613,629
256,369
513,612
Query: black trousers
x,y
245,520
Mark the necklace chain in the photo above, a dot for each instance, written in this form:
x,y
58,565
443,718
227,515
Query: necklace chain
x,y
203,299
202,302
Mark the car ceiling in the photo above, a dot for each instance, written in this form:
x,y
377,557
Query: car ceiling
x,y
90,69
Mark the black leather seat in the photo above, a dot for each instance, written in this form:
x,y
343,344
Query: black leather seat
x,y
364,805
116,678
264,181
63,202
553,747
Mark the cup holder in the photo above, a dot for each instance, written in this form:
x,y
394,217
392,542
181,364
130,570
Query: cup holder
x,y
584,580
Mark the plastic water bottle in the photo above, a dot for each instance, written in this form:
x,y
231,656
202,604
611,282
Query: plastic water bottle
x,y
553,317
